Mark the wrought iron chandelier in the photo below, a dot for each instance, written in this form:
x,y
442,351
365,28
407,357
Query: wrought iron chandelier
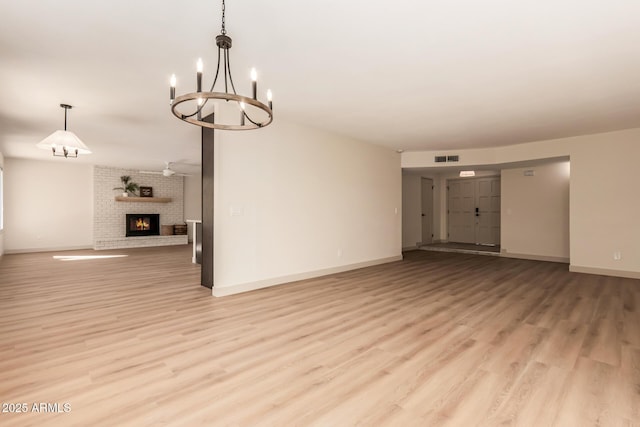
x,y
200,107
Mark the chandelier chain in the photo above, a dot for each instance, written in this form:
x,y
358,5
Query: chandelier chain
x,y
224,30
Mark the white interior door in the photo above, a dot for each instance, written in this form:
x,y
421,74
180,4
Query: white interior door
x,y
427,210
461,211
474,211
488,215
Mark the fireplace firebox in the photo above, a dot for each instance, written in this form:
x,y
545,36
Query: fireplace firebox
x,y
142,225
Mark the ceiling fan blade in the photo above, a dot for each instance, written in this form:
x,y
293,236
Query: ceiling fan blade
x,y
151,172
192,165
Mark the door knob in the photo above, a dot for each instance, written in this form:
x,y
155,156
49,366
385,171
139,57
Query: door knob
x,y
423,215
477,211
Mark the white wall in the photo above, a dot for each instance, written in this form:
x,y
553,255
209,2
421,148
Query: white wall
x,y
494,156
1,207
411,210
535,212
295,202
605,204
192,199
603,194
48,205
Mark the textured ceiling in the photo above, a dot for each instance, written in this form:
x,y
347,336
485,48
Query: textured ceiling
x,y
412,75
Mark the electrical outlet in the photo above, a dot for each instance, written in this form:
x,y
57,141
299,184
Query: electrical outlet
x,y
236,211
339,253
617,255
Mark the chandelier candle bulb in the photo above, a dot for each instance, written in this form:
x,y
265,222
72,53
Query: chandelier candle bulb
x,y
199,67
172,88
254,82
200,102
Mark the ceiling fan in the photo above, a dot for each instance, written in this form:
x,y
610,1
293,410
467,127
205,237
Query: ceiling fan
x,y
167,171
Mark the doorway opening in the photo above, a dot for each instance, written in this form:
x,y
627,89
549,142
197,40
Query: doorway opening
x,y
427,210
473,211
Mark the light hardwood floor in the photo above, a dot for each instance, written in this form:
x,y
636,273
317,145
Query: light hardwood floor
x,y
436,339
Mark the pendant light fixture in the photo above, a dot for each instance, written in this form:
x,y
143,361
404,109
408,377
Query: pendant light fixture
x,y
200,107
64,143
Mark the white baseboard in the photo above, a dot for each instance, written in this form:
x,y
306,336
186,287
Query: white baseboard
x,y
54,249
605,272
535,257
251,286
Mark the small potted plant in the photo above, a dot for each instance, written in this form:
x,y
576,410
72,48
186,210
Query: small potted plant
x,y
128,187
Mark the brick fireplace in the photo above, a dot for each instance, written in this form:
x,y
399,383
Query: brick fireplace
x,y
113,228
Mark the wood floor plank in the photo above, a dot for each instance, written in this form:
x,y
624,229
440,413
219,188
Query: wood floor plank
x,y
589,396
628,380
563,345
435,339
534,398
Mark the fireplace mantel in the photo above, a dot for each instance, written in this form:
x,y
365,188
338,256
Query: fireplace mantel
x,y
133,199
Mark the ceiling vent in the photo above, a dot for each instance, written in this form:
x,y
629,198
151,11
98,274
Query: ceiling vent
x,y
443,159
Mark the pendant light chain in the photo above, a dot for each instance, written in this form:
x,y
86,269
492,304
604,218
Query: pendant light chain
x,y
224,30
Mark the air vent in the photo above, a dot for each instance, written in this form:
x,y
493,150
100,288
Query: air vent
x,y
442,159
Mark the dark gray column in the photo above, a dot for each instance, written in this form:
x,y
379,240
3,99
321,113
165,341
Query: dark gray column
x,y
206,275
